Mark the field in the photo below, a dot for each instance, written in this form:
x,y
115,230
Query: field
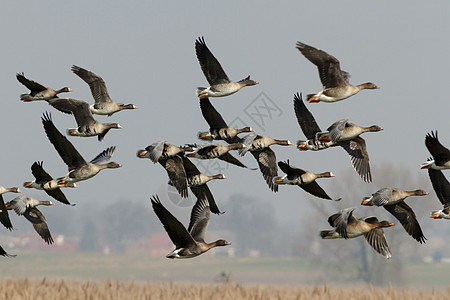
x,y
12,289
140,276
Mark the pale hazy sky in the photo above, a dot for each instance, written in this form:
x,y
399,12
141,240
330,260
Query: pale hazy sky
x,y
145,53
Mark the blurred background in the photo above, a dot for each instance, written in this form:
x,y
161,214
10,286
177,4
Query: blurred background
x,y
145,53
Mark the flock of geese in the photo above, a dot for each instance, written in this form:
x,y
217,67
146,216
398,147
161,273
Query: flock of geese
x,y
183,174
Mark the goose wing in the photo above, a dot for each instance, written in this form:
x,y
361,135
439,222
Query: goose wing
x,y
305,118
63,146
407,217
177,175
32,85
199,219
203,192
328,66
39,173
211,115
176,231
440,185
267,163
359,157
210,65
4,216
36,218
341,219
96,84
78,108
440,154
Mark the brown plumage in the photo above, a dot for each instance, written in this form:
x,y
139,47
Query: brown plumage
x,y
334,81
37,90
188,243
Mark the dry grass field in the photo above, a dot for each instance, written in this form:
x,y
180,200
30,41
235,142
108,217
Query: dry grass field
x,y
24,289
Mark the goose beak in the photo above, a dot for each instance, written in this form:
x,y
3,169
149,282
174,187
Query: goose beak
x,y
436,215
203,96
425,193
332,175
190,155
366,203
391,224
227,243
204,136
27,185
426,167
19,191
143,153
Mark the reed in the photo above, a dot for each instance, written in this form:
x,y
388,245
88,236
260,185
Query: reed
x,y
24,289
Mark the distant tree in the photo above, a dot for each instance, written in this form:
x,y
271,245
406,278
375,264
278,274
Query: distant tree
x,y
89,241
253,225
124,222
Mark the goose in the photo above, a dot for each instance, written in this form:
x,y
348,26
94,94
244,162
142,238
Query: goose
x,y
9,190
304,179
26,206
168,156
392,199
441,155
355,148
259,146
335,81
197,182
37,90
103,105
218,128
79,169
342,130
45,182
220,84
188,243
4,253
219,151
347,226
87,125
442,188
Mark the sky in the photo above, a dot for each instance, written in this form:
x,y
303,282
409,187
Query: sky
x,y
144,50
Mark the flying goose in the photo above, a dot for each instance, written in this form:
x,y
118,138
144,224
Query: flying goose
x,y
87,125
304,179
259,146
103,105
220,85
442,188
37,90
335,81
79,169
356,147
441,155
168,156
45,182
347,226
218,128
392,199
219,151
188,243
26,206
197,182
